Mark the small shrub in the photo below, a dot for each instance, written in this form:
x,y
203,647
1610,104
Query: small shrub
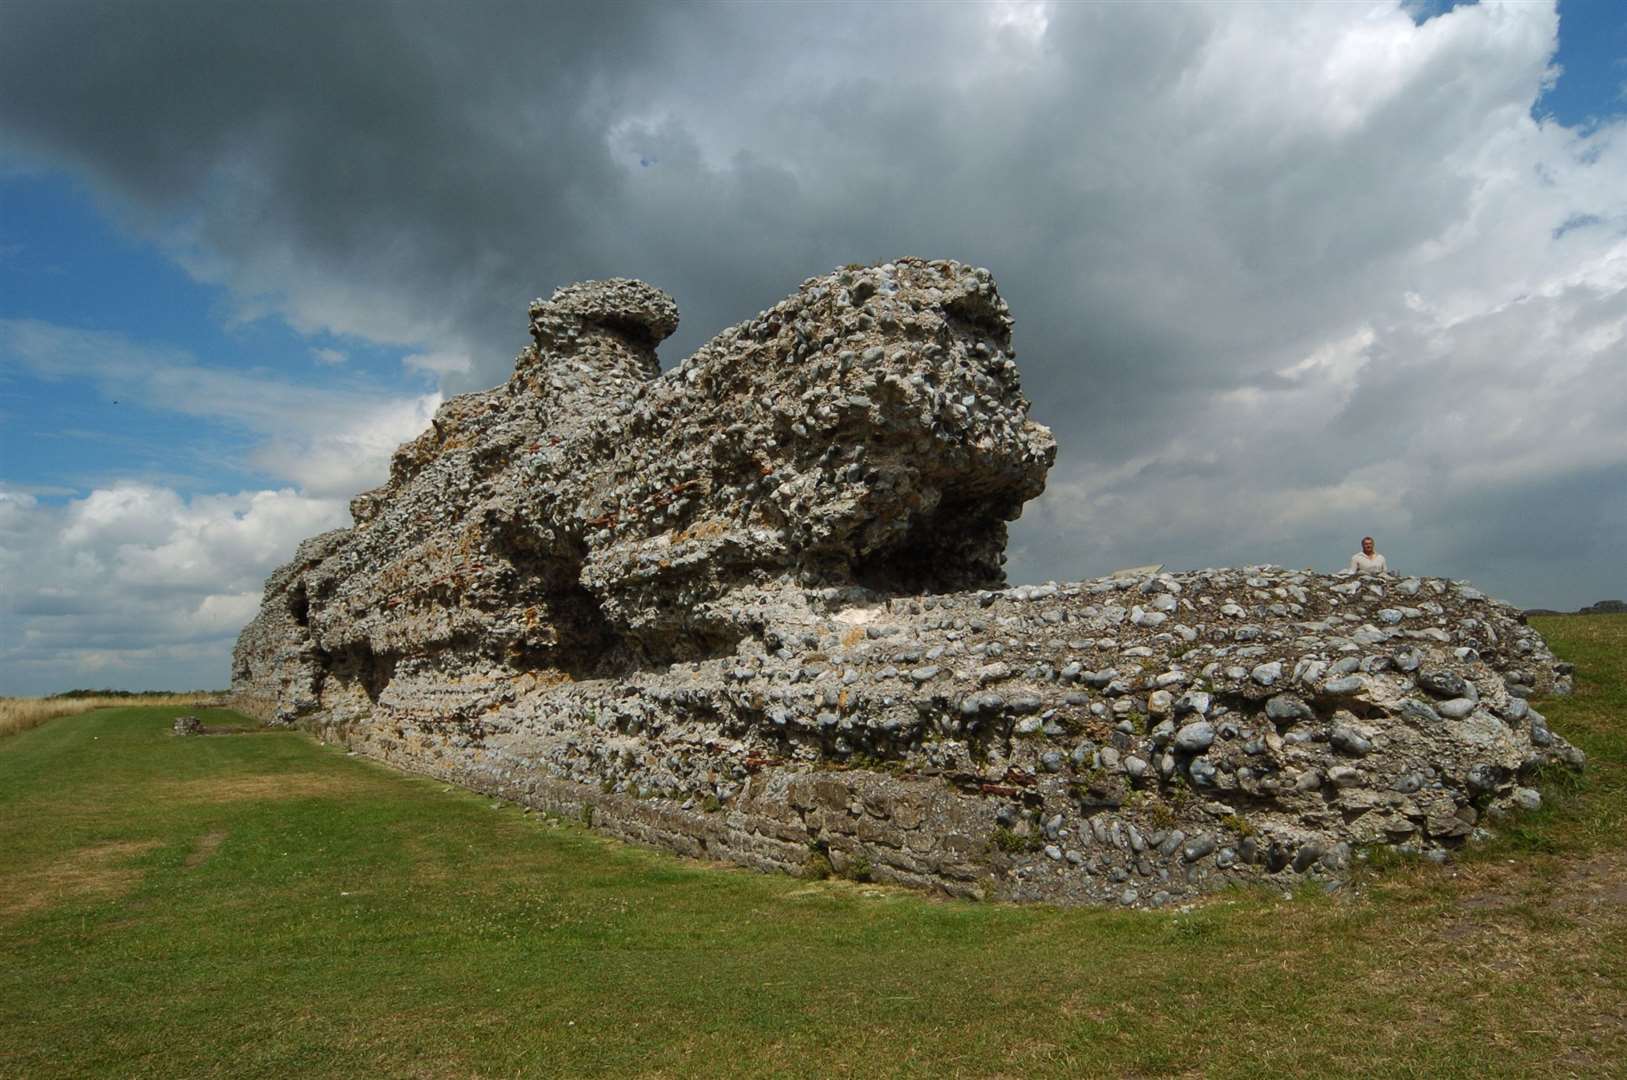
x,y
1160,814
1379,858
587,814
1553,778
1526,837
711,805
1012,843
1239,825
1189,930
1072,725
1098,783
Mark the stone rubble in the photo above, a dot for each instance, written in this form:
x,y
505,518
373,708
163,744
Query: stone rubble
x,y
753,609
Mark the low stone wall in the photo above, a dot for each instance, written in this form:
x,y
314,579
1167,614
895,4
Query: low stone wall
x,y
1056,742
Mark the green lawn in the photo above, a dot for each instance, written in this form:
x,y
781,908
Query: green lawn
x,y
260,905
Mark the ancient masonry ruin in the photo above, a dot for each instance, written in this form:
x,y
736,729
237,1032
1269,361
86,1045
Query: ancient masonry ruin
x,y
753,608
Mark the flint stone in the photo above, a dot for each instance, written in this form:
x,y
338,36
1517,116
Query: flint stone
x,y
1540,735
1197,848
1306,857
1483,779
1419,711
1344,687
1344,776
1286,708
1195,738
1456,709
1408,783
1193,701
1443,684
1267,674
1350,741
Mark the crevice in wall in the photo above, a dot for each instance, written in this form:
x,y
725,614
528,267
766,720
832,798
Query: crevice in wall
x,y
957,547
358,665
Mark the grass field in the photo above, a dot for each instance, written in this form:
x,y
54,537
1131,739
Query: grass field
x,y
20,714
259,905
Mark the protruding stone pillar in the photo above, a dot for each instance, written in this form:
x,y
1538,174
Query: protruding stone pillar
x,y
615,323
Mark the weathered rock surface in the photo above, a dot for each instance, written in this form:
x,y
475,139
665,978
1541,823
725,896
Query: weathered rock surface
x,y
752,609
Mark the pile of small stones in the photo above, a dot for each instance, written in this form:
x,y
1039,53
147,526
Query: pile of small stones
x,y
753,608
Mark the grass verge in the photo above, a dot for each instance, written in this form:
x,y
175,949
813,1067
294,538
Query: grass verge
x,y
260,905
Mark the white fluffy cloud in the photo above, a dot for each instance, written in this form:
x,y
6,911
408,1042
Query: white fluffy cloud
x,y
439,363
134,586
139,585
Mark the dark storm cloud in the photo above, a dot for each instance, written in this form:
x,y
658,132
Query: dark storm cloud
x,y
297,150
1261,256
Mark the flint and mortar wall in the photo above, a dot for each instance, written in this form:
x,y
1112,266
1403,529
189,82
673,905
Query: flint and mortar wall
x,y
751,609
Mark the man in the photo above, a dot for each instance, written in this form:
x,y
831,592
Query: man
x,y
1368,561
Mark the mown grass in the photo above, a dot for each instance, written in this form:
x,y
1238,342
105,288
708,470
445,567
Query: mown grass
x,y
259,905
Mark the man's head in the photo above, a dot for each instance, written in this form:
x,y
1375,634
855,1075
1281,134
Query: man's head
x,y
1367,545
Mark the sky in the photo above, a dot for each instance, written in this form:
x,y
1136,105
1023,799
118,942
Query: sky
x,y
1283,274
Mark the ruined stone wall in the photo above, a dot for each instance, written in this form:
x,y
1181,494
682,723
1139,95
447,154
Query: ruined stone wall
x,y
753,609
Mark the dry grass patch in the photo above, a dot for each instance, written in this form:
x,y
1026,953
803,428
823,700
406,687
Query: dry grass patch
x,y
1596,888
20,714
206,846
100,870
258,787
1520,953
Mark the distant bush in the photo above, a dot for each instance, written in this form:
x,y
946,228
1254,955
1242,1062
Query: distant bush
x,y
145,695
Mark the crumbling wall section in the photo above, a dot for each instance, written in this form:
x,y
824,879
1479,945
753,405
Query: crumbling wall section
x,y
753,608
